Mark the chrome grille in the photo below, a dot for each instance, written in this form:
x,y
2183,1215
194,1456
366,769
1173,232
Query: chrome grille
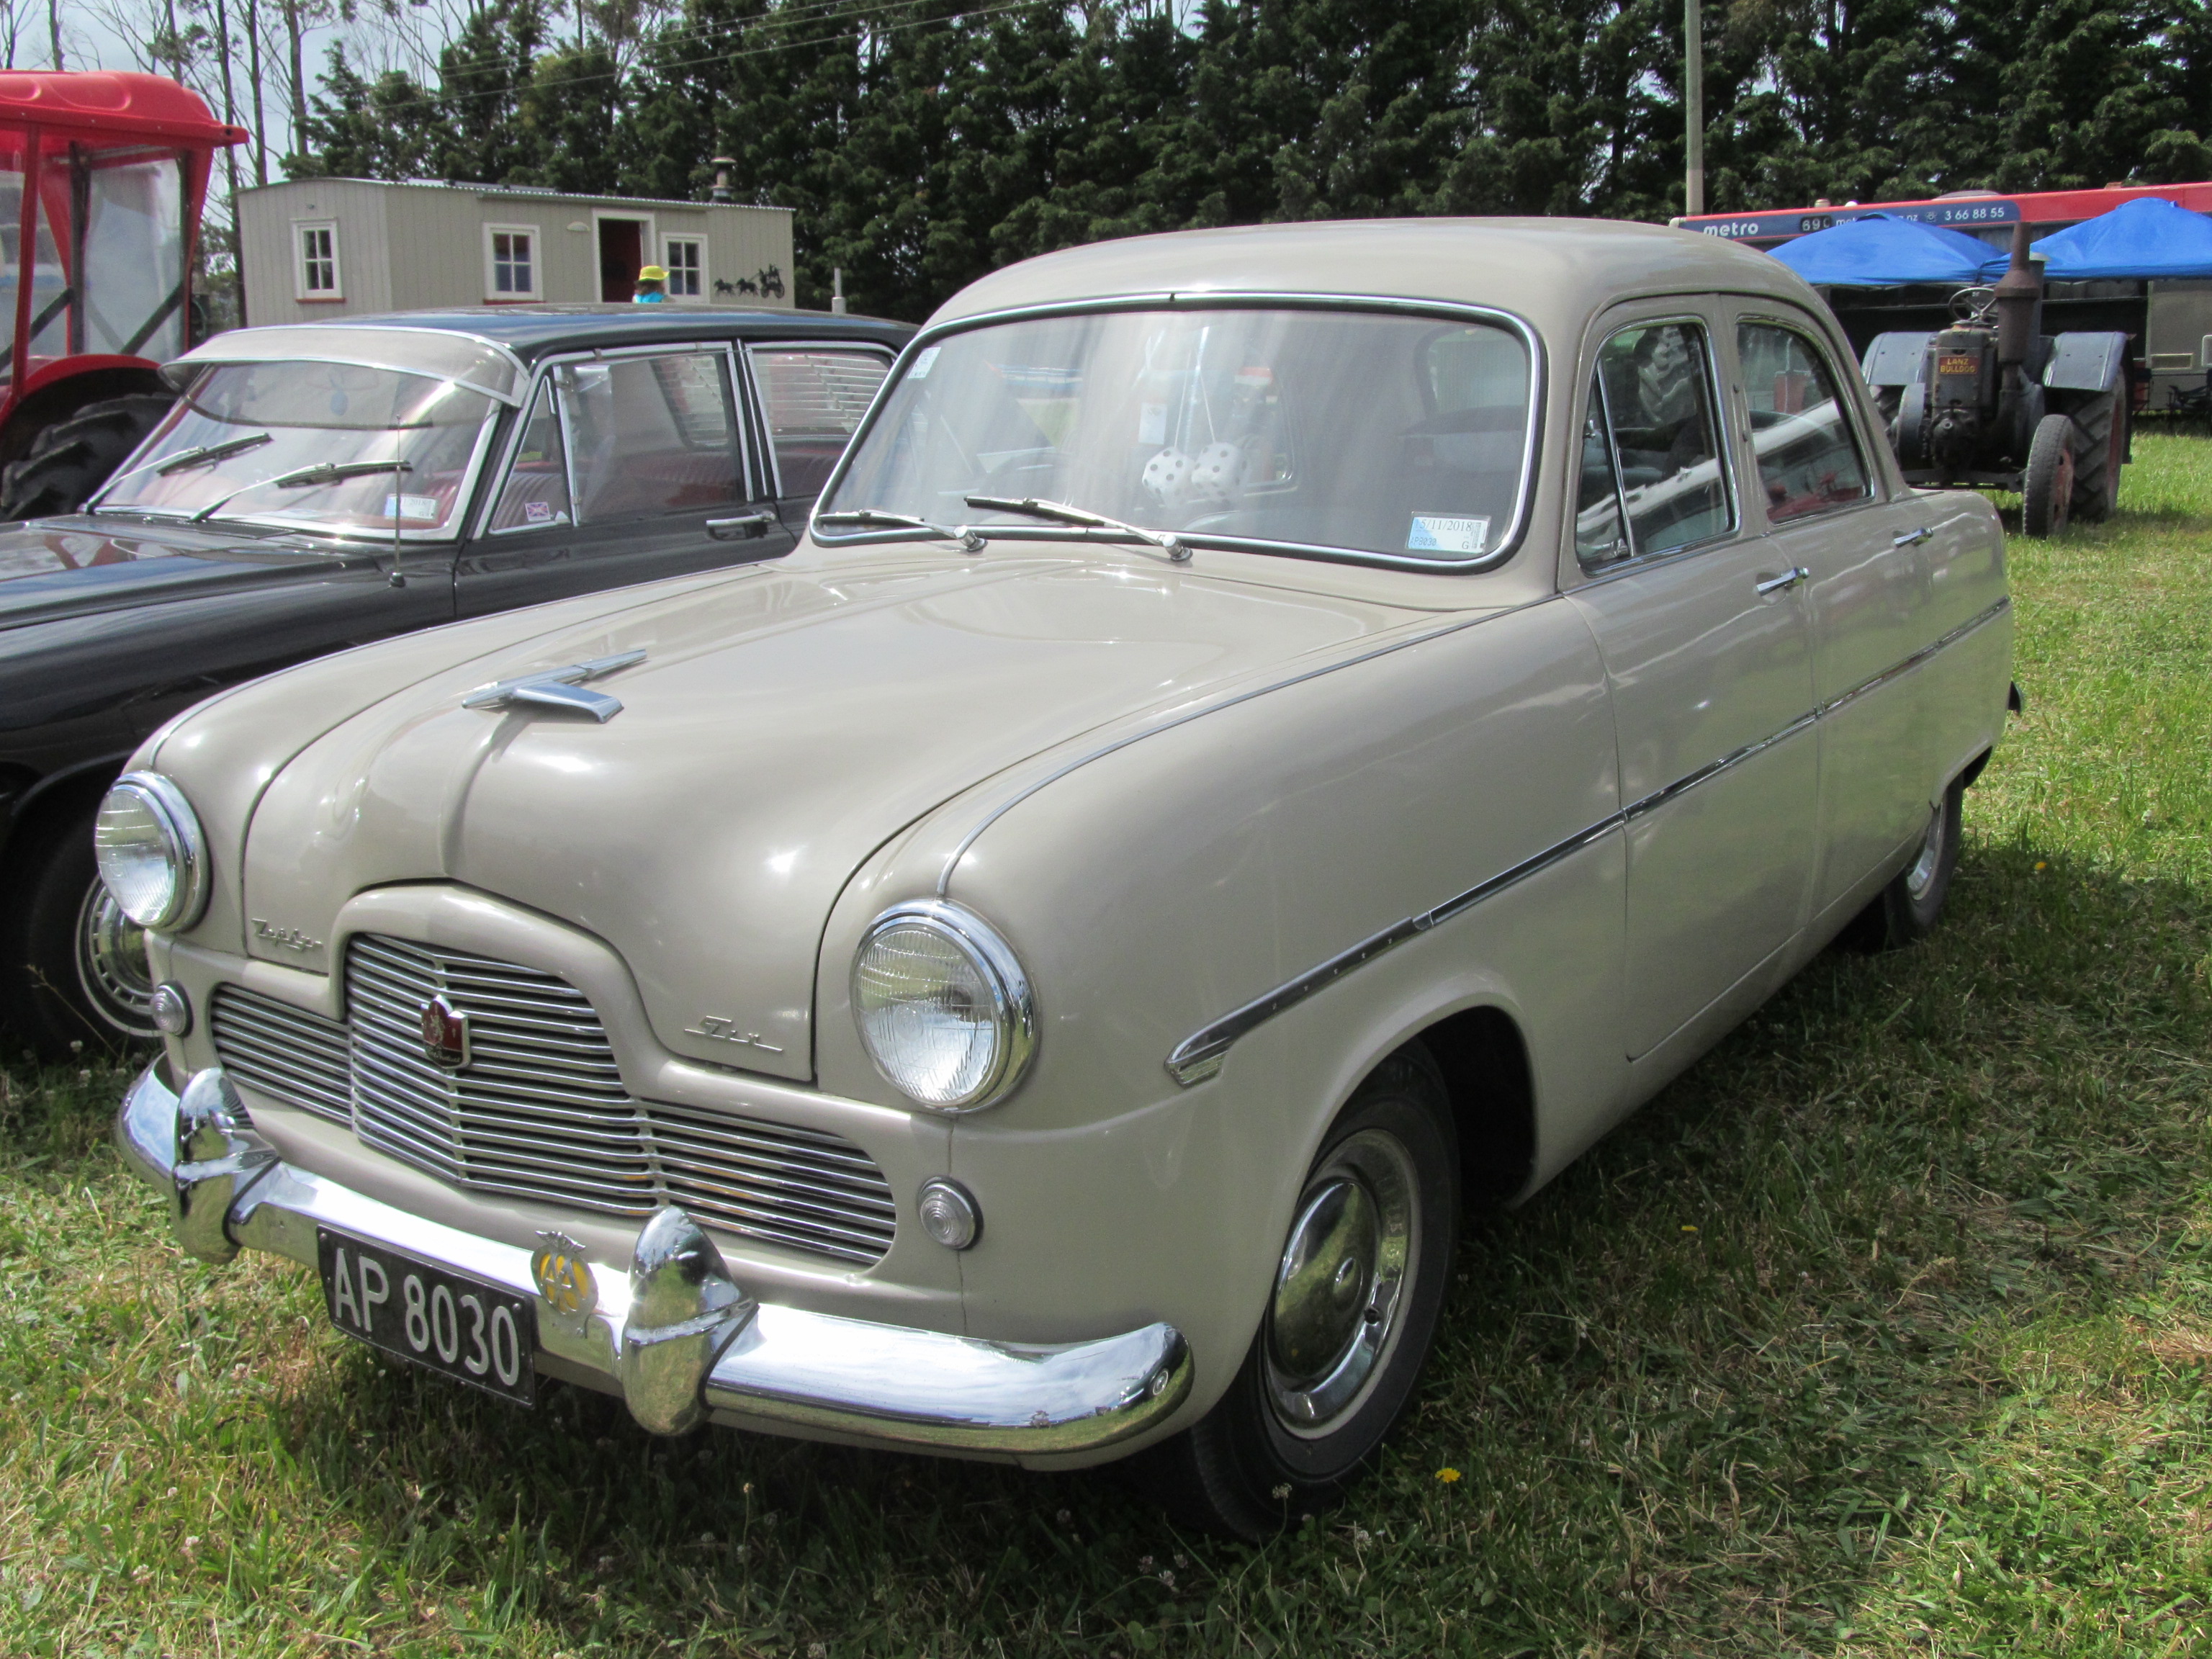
x,y
287,1053
540,1110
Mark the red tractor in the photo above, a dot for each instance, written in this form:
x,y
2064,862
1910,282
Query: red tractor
x,y
103,178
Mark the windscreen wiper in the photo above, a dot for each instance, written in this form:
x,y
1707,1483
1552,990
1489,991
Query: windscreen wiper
x,y
193,457
1167,541
969,540
321,472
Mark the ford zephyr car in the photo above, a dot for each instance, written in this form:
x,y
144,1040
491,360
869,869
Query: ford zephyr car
x,y
1270,731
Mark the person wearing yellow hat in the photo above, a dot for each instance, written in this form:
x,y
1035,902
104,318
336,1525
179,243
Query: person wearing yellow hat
x,y
651,287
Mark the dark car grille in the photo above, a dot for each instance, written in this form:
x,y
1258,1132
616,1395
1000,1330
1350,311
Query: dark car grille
x,y
540,1110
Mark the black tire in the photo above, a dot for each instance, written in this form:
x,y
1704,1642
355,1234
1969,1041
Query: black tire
x,y
73,457
2046,491
1907,910
2100,441
1249,1468
72,968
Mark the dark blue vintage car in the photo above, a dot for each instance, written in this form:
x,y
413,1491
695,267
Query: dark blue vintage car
x,y
318,486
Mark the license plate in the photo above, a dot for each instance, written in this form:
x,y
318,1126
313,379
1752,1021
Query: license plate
x,y
459,1327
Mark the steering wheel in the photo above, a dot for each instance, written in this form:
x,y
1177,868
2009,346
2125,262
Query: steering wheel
x,y
1969,303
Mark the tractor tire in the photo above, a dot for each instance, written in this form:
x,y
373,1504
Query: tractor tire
x,y
71,459
2101,449
2046,491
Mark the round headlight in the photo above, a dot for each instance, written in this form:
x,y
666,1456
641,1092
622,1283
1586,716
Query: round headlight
x,y
944,1008
151,854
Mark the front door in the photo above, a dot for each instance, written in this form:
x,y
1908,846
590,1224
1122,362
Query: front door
x,y
1707,648
625,467
621,256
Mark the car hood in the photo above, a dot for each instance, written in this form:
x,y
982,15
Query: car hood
x,y
784,723
71,567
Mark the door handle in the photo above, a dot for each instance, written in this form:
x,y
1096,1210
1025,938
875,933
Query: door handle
x,y
745,526
1911,537
1782,583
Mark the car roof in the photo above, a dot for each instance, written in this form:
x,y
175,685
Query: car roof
x,y
1553,272
535,329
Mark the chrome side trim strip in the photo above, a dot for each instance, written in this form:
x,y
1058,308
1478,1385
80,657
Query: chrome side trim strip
x,y
1987,616
1199,1056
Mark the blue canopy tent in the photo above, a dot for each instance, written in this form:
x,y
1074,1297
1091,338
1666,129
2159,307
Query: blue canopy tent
x,y
2148,237
1878,251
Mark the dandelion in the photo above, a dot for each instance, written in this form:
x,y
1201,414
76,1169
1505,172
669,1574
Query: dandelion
x,y
1687,1228
1448,1476
2040,867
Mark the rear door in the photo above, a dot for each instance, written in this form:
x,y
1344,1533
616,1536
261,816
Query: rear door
x,y
812,396
623,467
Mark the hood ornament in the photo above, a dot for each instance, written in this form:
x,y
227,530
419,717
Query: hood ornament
x,y
558,688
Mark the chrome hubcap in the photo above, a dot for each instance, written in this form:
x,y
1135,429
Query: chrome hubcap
x,y
110,964
1340,1285
1921,876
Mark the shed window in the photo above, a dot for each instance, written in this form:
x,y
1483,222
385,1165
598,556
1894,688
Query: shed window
x,y
319,261
511,252
686,260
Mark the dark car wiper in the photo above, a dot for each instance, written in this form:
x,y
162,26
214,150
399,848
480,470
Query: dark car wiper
x,y
969,540
193,457
321,472
1167,541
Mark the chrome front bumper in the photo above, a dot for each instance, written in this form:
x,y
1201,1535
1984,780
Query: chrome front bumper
x,y
675,1335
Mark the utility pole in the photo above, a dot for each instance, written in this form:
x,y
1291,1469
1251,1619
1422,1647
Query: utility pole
x,y
1693,106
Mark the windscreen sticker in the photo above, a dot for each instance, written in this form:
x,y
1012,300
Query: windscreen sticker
x,y
1152,423
1432,533
924,363
412,507
538,512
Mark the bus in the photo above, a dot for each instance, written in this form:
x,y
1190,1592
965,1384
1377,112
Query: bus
x,y
2168,322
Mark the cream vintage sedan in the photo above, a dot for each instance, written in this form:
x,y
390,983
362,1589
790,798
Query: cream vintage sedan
x,y
1272,734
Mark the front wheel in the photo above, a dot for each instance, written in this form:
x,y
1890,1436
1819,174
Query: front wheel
x,y
74,966
1359,1287
2047,490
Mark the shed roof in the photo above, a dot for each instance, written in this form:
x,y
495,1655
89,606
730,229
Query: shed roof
x,y
1552,271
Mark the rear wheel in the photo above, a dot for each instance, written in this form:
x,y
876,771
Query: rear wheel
x,y
72,459
2101,449
1908,909
2046,490
1359,1287
72,965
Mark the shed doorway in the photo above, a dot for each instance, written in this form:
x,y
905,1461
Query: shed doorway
x,y
621,255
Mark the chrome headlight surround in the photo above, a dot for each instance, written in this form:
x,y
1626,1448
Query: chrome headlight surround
x,y
143,811
998,995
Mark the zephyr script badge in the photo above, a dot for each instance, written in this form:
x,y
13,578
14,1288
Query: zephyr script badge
x,y
445,1034
563,1278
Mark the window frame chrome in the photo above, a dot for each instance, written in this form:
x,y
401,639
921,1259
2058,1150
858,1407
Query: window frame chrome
x,y
1803,328
541,374
1723,437
1233,299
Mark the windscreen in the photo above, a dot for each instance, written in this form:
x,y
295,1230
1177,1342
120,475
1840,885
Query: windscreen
x,y
312,445
1363,433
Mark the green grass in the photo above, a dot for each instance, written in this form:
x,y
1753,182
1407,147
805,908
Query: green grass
x,y
1884,1331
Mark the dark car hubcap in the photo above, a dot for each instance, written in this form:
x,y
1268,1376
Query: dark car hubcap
x,y
111,964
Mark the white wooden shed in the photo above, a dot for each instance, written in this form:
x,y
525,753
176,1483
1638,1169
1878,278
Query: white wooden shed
x,y
313,248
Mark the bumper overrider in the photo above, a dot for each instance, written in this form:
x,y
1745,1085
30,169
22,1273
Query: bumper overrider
x,y
677,1337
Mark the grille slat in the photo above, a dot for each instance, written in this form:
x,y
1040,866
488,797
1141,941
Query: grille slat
x,y
541,1110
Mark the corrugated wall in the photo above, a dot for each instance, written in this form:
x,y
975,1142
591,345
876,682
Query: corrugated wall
x,y
268,218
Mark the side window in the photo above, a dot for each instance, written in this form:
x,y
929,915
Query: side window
x,y
1801,432
685,261
317,270
1661,439
536,493
511,262
815,398
1598,537
651,435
